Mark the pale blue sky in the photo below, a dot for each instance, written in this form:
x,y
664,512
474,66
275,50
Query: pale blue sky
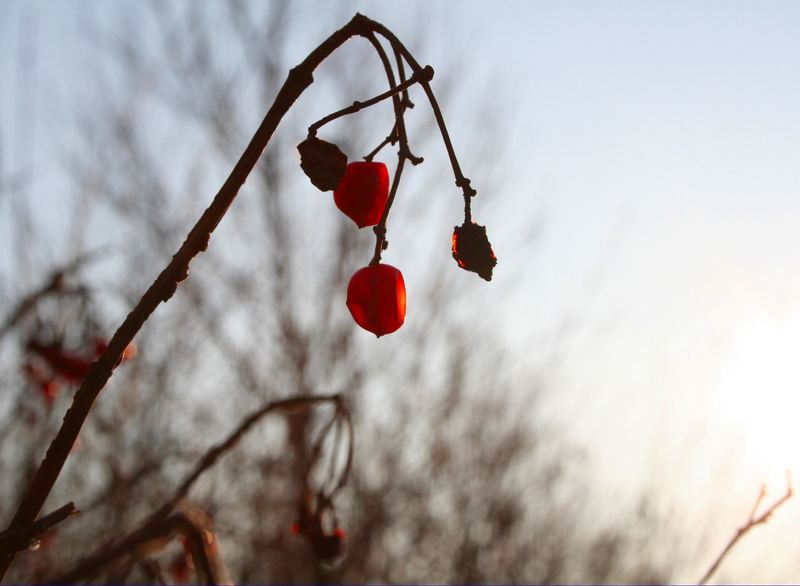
x,y
660,143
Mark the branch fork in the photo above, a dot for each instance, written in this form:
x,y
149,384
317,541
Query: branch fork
x,y
164,286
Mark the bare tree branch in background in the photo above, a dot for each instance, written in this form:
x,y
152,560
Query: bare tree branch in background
x,y
752,522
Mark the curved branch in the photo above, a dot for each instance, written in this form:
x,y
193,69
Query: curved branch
x,y
55,284
153,530
426,74
380,229
399,125
213,454
405,103
752,521
158,523
461,181
162,289
403,154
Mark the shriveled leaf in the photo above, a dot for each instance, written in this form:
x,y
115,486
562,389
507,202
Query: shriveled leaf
x,y
472,249
322,162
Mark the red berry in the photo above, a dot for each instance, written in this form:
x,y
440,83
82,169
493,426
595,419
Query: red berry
x,y
50,388
376,296
363,192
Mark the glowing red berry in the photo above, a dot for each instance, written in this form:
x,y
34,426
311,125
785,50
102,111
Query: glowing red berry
x,y
50,388
363,192
376,296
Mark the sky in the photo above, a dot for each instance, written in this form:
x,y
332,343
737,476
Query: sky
x,y
658,144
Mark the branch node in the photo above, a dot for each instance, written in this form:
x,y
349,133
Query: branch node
x,y
301,74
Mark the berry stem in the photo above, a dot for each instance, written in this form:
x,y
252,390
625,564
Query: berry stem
x,y
461,181
419,76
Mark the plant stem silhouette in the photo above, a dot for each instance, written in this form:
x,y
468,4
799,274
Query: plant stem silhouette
x,y
752,521
177,270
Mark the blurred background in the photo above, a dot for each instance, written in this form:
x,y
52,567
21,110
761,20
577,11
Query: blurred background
x,y
605,410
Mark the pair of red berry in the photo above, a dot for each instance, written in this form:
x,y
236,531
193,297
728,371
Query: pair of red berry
x,y
376,294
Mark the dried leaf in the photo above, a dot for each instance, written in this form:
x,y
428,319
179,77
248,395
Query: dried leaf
x,y
472,249
322,162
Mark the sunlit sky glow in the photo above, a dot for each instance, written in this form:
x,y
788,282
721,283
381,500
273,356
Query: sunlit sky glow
x,y
658,142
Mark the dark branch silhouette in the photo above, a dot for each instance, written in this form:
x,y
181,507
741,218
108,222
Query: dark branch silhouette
x,y
165,285
160,523
15,540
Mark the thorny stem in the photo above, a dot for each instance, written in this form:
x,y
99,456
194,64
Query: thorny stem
x,y
165,285
752,521
348,465
425,74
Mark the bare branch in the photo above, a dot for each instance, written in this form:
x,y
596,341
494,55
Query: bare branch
x,y
160,523
752,521
424,74
54,284
155,529
14,540
214,453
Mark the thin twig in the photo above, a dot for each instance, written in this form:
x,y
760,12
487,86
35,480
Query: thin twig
x,y
152,527
397,103
348,465
461,181
55,284
425,74
15,540
215,452
391,139
752,521
404,152
153,530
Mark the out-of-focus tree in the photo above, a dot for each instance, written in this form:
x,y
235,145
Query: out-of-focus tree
x,y
457,477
